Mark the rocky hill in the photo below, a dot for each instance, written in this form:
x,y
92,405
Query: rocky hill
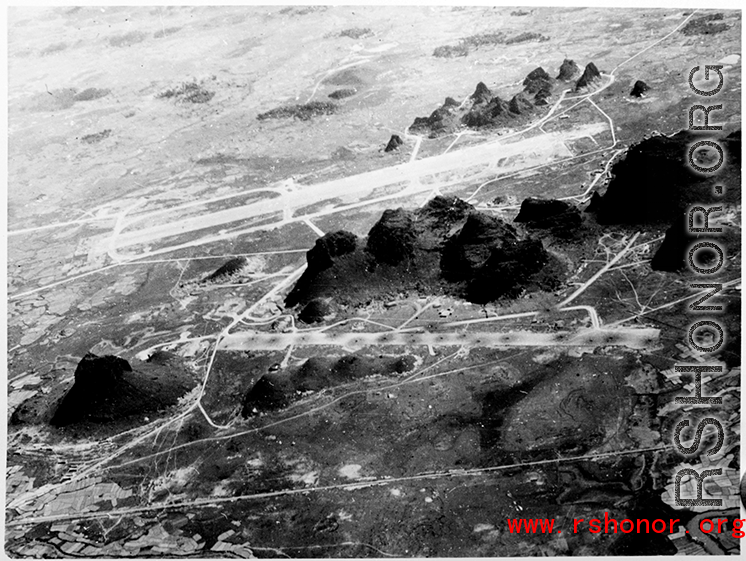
x,y
654,183
639,89
483,109
107,389
447,246
568,70
590,77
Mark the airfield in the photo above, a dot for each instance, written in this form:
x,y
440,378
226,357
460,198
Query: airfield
x,y
114,263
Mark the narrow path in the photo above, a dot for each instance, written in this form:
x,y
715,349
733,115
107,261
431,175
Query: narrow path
x,y
600,273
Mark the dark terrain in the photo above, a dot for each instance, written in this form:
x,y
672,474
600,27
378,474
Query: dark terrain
x,y
446,247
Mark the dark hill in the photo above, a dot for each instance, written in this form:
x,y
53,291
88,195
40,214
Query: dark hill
x,y
536,74
321,257
507,271
672,255
537,210
315,311
654,183
639,89
446,246
437,219
342,93
539,84
590,76
466,252
482,94
278,389
567,70
520,104
441,121
228,268
394,142
107,389
595,203
392,238
561,219
484,109
493,113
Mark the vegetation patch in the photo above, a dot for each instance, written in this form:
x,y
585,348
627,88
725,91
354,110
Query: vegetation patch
x,y
54,100
344,78
55,48
127,39
450,51
471,42
343,93
276,390
304,111
484,39
90,94
356,32
705,25
526,38
165,32
97,137
445,247
188,92
302,11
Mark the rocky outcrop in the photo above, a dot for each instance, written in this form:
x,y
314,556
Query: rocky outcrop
x,y
394,142
568,70
561,219
107,389
446,246
670,257
639,89
484,109
590,77
537,75
538,210
595,203
672,254
489,257
466,252
392,238
438,219
316,310
342,93
276,390
493,113
489,110
539,84
654,184
520,104
319,258
441,121
541,98
334,244
229,268
507,271
482,94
